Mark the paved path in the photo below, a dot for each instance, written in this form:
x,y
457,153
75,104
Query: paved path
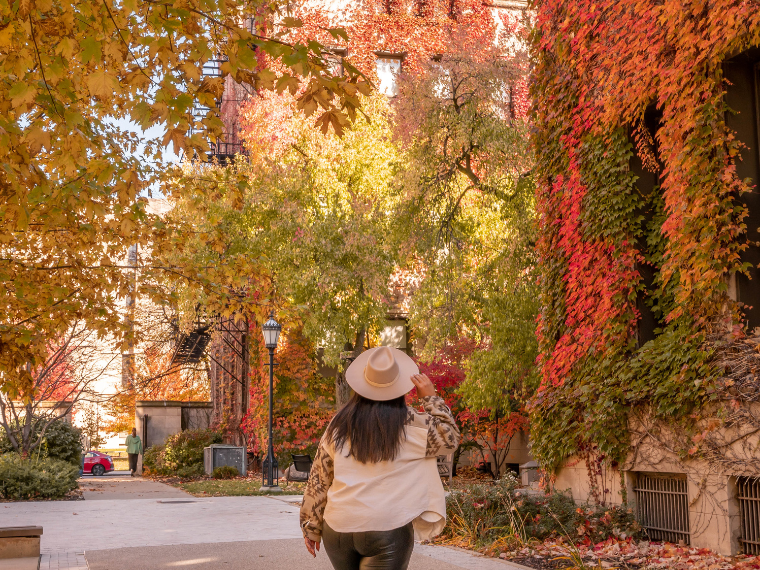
x,y
252,555
270,555
115,523
172,529
120,486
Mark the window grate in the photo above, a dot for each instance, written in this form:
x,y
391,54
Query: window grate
x,y
662,506
749,513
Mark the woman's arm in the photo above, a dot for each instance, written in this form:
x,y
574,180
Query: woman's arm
x,y
315,494
443,433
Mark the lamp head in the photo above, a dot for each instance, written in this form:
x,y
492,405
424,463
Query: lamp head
x,y
271,330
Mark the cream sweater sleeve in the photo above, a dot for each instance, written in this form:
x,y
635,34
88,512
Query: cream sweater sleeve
x,y
443,433
315,494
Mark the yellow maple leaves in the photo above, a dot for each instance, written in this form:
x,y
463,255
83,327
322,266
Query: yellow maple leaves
x,y
75,77
102,84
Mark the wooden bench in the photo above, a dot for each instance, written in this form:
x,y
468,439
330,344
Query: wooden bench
x,y
20,547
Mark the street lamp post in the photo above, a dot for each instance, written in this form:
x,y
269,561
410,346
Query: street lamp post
x,y
271,330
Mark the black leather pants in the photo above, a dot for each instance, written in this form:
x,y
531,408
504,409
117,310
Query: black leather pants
x,y
373,550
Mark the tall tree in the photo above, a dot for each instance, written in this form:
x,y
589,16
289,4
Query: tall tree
x,y
77,78
468,215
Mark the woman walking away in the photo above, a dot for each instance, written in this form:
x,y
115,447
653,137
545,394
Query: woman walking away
x,y
374,487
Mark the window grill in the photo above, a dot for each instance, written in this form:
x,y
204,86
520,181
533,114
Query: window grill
x,y
749,513
662,506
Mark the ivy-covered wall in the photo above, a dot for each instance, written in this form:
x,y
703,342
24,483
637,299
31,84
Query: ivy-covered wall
x,y
611,248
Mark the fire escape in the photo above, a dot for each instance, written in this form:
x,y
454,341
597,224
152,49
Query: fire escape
x,y
221,344
228,109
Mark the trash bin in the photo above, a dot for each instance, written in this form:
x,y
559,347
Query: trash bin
x,y
218,454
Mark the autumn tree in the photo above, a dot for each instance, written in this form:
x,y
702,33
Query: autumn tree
x,y
468,216
304,399
65,381
77,79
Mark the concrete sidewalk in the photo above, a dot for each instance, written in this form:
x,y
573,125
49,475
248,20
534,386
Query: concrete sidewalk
x,y
269,555
115,523
256,555
113,487
118,528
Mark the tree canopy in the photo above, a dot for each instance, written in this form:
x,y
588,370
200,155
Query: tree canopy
x,y
468,216
78,80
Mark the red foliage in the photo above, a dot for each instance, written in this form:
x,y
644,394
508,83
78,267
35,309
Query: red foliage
x,y
303,399
417,30
492,435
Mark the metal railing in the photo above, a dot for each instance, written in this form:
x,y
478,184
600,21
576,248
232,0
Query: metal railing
x,y
749,511
662,506
226,150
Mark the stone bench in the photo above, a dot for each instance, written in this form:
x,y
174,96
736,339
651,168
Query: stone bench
x,y
20,547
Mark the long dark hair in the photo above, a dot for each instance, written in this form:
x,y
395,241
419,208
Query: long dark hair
x,y
372,429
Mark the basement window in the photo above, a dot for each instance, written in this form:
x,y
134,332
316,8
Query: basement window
x,y
662,506
749,514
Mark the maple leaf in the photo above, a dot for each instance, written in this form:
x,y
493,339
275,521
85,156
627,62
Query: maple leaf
x,y
102,84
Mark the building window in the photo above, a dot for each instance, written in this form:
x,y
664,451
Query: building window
x,y
334,58
388,68
645,164
743,98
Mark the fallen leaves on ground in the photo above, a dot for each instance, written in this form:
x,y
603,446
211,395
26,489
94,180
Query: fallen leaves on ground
x,y
631,553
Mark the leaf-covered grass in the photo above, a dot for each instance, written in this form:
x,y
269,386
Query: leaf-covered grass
x,y
501,517
238,487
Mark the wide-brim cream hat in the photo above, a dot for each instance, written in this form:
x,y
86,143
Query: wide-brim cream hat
x,y
382,373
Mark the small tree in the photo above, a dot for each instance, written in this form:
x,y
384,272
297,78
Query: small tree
x,y
466,224
91,429
67,377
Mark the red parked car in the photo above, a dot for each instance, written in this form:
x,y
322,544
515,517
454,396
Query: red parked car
x,y
97,463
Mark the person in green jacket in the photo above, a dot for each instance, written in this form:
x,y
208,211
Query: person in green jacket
x,y
134,449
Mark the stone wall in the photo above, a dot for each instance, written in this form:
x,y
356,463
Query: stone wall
x,y
711,477
165,418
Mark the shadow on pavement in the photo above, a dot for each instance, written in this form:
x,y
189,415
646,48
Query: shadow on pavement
x,y
287,554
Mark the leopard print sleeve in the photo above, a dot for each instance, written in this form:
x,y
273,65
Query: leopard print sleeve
x,y
443,433
315,494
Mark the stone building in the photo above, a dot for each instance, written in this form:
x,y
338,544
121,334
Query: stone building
x,y
647,120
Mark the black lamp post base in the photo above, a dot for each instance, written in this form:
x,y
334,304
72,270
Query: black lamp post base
x,y
271,489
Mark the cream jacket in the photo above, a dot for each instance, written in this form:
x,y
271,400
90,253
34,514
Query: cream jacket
x,y
355,497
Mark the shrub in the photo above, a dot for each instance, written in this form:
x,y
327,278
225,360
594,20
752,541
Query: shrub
x,y
225,472
182,454
480,515
153,459
32,478
61,441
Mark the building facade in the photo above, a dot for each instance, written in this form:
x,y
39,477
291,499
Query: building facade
x,y
647,139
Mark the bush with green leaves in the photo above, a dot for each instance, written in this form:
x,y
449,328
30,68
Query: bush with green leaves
x,y
36,478
481,515
225,472
182,454
61,441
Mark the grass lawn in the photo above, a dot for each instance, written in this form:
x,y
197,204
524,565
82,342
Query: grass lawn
x,y
234,487
121,463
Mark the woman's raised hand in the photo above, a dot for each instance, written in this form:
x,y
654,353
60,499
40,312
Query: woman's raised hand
x,y
424,386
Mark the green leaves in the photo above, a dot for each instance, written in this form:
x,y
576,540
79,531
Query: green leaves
x,y
77,73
